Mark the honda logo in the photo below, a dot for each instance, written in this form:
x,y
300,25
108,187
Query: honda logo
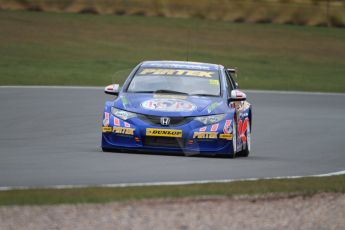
x,y
165,120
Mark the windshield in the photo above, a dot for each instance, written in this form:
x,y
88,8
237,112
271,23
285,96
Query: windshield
x,y
180,81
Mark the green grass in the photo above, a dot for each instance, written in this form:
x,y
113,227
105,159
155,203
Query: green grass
x,y
299,12
305,186
73,49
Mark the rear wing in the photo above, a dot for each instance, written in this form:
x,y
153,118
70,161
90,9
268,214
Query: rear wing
x,y
232,71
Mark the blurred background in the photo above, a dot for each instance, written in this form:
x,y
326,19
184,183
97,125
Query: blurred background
x,y
276,44
300,12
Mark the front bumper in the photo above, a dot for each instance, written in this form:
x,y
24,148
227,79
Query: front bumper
x,y
189,138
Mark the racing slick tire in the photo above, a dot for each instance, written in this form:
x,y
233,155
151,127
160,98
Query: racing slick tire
x,y
246,151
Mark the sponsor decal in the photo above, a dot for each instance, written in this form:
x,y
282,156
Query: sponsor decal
x,y
214,127
203,129
227,127
213,106
116,121
246,105
126,131
127,125
242,105
242,127
177,72
106,119
213,82
106,129
242,115
239,105
205,135
169,105
193,65
163,132
227,136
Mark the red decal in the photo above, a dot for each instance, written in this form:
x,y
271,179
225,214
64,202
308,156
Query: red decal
x,y
226,126
116,121
203,129
106,119
242,127
127,125
214,127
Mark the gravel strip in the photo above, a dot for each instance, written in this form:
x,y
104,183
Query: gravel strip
x,y
320,211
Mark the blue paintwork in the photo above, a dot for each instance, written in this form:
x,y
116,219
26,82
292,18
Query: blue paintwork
x,y
132,102
135,100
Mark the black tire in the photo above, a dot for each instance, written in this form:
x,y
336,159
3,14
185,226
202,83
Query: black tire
x,y
106,150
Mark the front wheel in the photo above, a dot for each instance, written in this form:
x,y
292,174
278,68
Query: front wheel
x,y
106,150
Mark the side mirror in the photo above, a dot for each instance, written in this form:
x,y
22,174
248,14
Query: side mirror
x,y
113,89
237,95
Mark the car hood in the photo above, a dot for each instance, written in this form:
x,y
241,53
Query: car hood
x,y
170,105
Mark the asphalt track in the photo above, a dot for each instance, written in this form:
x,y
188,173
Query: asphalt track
x,y
51,136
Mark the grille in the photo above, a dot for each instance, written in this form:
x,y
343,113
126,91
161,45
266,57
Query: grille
x,y
174,121
164,142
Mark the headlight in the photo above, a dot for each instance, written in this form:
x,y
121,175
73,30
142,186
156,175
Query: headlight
x,y
124,115
208,120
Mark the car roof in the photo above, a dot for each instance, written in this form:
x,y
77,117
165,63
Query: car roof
x,y
181,64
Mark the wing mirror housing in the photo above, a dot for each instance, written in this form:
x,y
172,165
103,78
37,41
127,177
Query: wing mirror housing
x,y
113,89
237,95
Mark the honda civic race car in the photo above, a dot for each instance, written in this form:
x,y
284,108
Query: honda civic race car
x,y
178,107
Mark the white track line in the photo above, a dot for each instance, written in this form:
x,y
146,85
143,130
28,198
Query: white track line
x,y
123,185
331,174
101,88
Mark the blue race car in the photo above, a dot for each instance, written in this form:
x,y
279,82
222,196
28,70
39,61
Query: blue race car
x,y
178,107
